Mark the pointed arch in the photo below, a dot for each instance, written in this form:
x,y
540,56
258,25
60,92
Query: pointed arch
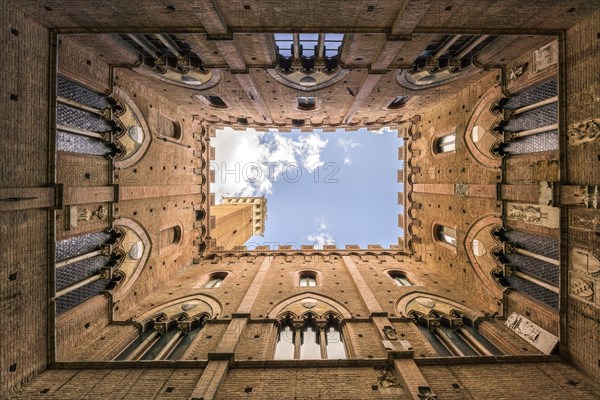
x,y
424,303
324,305
136,246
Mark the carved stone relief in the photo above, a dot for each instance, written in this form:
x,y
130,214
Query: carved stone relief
x,y
540,338
582,288
545,56
584,275
517,71
534,214
585,261
461,189
585,219
586,131
77,215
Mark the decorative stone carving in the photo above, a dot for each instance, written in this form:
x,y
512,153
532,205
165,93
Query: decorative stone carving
x,y
308,303
586,131
590,196
546,193
585,219
390,332
545,56
387,378
517,71
534,334
461,189
585,261
76,215
582,288
533,214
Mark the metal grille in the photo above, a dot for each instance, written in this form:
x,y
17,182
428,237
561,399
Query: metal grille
x,y
537,118
78,296
533,95
532,290
71,274
537,244
535,267
546,141
80,144
77,118
80,94
79,245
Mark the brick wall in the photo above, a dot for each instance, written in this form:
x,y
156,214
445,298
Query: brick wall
x,y
23,234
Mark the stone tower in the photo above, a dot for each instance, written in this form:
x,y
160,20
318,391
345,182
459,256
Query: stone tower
x,y
236,220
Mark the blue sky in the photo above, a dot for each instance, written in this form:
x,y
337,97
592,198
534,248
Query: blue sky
x,y
321,187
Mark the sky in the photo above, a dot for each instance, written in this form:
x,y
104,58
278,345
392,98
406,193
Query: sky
x,y
321,187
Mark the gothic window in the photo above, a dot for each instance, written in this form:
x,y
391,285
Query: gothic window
x,y
445,144
398,102
400,278
308,279
454,336
162,341
215,280
445,234
307,49
286,339
309,339
306,103
215,101
170,236
334,343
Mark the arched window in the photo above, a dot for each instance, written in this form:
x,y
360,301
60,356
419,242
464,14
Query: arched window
x,y
454,336
445,144
215,101
215,280
398,102
306,103
170,236
445,234
286,340
399,278
333,338
162,340
168,128
310,339
308,279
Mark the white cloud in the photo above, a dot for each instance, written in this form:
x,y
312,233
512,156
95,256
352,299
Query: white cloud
x,y
249,162
381,131
320,237
347,145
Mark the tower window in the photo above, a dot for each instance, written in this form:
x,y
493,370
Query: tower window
x,y
215,280
215,101
306,103
168,128
445,144
398,102
400,278
445,234
170,236
308,279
